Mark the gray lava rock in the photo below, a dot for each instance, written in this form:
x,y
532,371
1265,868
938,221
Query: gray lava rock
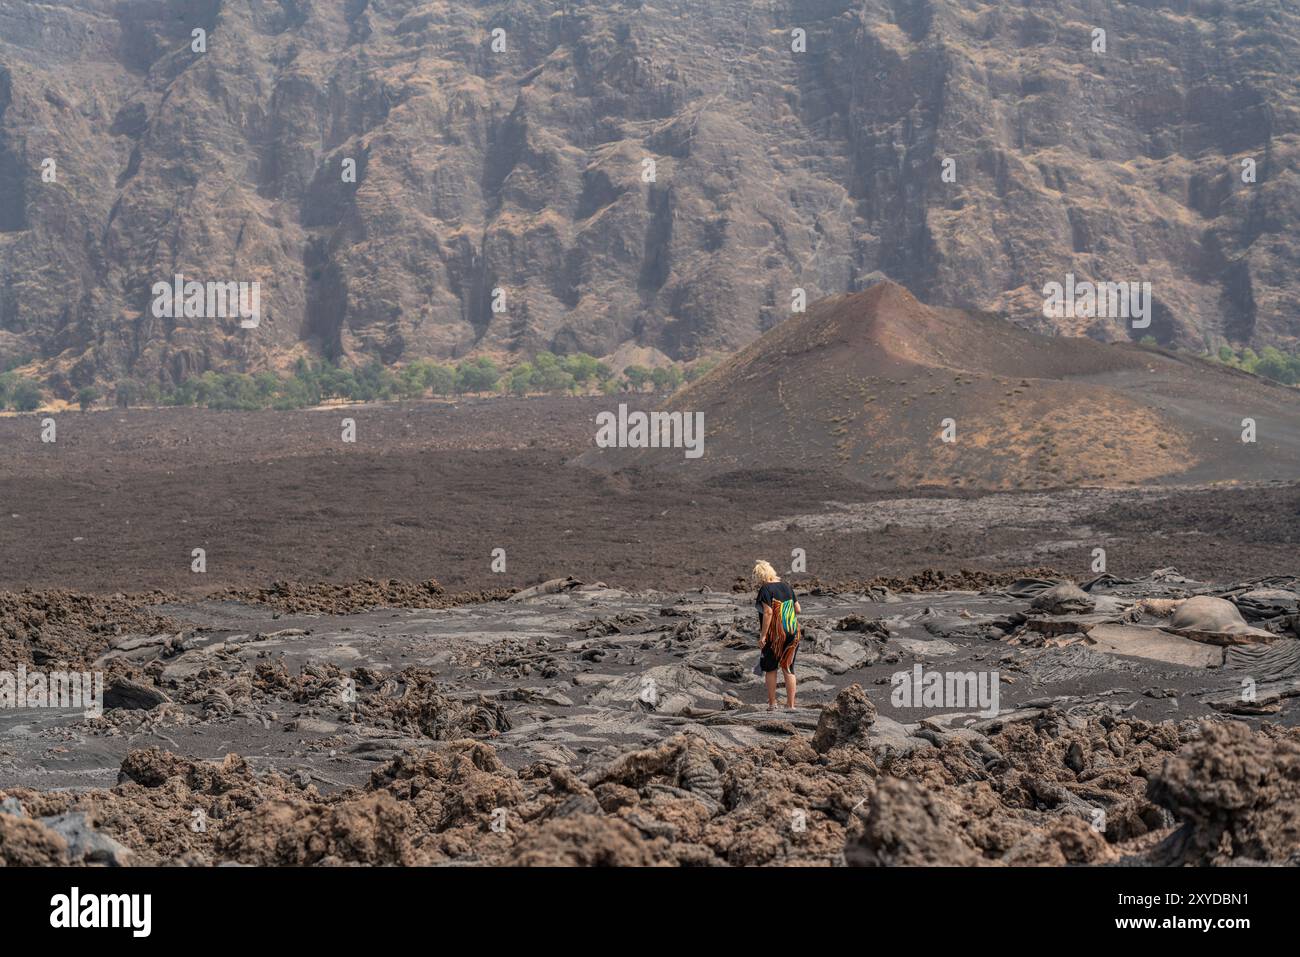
x,y
908,826
1065,598
552,587
846,721
1204,614
85,844
132,695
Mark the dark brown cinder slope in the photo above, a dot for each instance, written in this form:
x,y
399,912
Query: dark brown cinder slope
x,y
861,385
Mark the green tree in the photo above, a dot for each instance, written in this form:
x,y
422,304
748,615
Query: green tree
x,y
520,379
476,375
414,380
336,383
126,393
637,376
25,395
549,374
268,384
1276,365
232,392
295,392
582,367
374,381
87,396
442,379
666,378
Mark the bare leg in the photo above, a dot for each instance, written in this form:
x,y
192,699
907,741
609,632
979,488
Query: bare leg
x,y
770,677
789,689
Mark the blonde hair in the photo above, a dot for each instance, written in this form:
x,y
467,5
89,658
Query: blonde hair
x,y
764,572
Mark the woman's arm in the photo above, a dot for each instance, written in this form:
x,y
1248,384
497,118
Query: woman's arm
x,y
797,609
767,621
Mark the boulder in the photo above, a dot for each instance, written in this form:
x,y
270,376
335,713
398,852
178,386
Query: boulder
x,y
1215,620
1237,795
85,844
552,587
1064,598
908,826
134,696
846,721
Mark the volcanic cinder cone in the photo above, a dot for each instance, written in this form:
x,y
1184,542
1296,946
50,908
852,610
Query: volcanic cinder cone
x,y
863,385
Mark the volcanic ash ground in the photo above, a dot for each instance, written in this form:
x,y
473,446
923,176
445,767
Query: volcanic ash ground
x,y
1139,722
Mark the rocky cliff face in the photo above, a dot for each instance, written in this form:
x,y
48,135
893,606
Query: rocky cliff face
x,y
514,170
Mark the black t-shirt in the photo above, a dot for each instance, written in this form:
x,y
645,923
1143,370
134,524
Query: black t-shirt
x,y
770,592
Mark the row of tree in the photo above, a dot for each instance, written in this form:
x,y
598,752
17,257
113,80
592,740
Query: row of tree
x,y
1269,362
311,383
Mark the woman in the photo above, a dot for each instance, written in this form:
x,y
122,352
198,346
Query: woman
x,y
777,649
